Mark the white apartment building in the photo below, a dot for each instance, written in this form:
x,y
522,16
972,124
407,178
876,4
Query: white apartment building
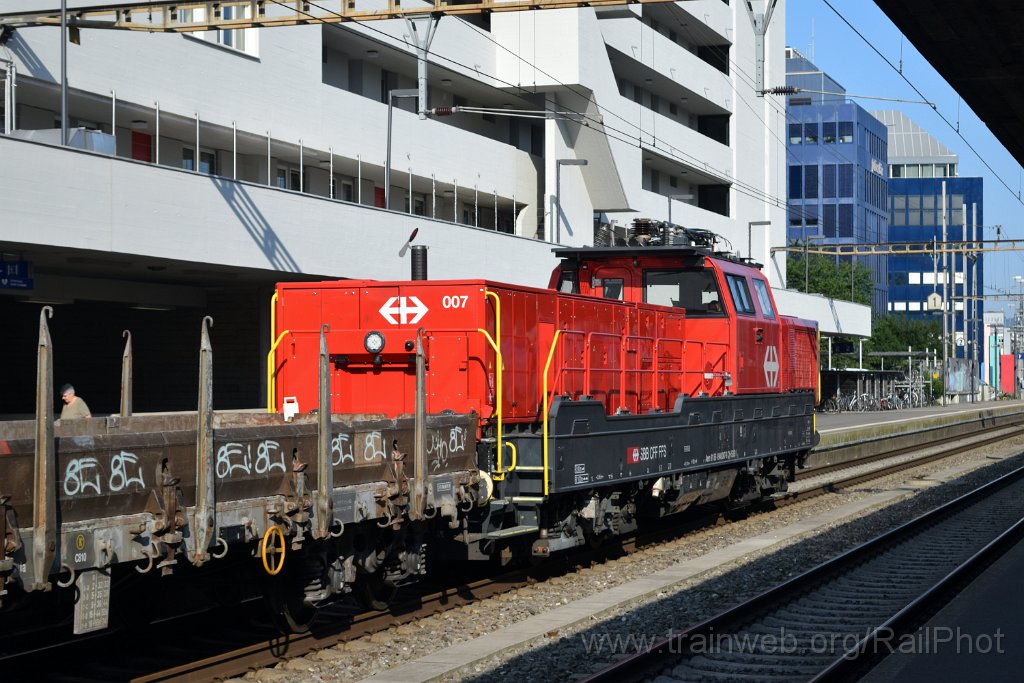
x,y
226,161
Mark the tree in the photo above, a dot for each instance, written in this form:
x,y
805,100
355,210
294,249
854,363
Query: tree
x,y
897,333
825,276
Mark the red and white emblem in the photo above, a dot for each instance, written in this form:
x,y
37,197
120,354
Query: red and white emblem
x,y
409,310
771,366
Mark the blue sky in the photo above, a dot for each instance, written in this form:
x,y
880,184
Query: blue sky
x,y
838,51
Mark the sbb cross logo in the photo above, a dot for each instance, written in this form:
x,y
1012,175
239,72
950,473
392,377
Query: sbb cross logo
x,y
633,455
771,366
409,310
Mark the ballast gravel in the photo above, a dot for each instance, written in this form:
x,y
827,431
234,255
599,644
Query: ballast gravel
x,y
575,652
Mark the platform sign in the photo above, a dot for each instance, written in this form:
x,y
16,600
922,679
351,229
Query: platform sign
x,y
14,275
934,302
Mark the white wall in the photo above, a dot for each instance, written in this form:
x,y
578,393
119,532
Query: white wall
x,y
124,207
281,90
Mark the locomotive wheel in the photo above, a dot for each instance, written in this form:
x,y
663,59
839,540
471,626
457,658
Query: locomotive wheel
x,y
376,592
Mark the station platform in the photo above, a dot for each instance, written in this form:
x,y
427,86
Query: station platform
x,y
976,637
847,436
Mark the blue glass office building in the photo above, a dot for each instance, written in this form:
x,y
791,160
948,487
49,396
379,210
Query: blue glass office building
x,y
838,155
919,165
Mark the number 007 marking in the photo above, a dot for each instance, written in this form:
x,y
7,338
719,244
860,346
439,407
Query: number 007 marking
x,y
454,301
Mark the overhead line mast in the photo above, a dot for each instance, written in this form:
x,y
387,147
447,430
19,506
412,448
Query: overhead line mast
x,y
169,17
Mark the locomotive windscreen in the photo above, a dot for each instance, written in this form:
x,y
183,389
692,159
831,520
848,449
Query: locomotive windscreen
x,y
692,289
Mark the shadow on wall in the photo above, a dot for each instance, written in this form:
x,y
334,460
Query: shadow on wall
x,y
237,197
29,59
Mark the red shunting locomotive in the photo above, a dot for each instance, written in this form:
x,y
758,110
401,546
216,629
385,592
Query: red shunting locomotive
x,y
647,378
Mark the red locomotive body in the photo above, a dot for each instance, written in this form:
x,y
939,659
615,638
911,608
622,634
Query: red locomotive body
x,y
636,332
644,378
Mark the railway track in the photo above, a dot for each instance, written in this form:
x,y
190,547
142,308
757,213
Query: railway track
x,y
253,647
836,620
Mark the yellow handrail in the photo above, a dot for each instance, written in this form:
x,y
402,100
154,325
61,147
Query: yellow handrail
x,y
273,329
499,473
272,373
547,368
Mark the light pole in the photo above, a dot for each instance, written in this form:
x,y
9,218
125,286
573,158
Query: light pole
x,y
399,93
750,243
558,192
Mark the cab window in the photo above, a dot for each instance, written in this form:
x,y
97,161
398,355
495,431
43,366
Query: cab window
x,y
695,290
761,288
740,294
612,288
568,282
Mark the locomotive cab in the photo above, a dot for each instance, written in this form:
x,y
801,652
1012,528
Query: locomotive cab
x,y
727,302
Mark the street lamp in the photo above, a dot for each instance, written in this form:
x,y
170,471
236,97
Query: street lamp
x,y
807,270
750,228
558,190
399,93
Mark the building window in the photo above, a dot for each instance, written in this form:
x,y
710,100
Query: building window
x,y
810,182
828,132
845,131
241,39
796,187
929,216
343,188
896,171
207,160
828,181
846,180
846,220
288,178
828,217
811,216
796,135
811,133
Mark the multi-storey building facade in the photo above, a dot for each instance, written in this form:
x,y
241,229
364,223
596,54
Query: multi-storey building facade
x,y
837,160
225,161
923,179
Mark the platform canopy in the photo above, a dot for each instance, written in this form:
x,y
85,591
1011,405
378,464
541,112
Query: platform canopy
x,y
978,47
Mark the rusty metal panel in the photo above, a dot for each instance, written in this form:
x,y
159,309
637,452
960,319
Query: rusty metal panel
x,y
105,469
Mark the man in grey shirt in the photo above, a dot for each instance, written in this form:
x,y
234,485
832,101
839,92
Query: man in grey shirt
x,y
74,406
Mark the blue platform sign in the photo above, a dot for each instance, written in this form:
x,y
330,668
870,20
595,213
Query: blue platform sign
x,y
14,275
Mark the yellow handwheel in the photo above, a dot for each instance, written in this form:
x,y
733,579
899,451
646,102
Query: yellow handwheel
x,y
268,543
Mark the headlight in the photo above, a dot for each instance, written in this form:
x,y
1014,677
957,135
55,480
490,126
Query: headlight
x,y
373,342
